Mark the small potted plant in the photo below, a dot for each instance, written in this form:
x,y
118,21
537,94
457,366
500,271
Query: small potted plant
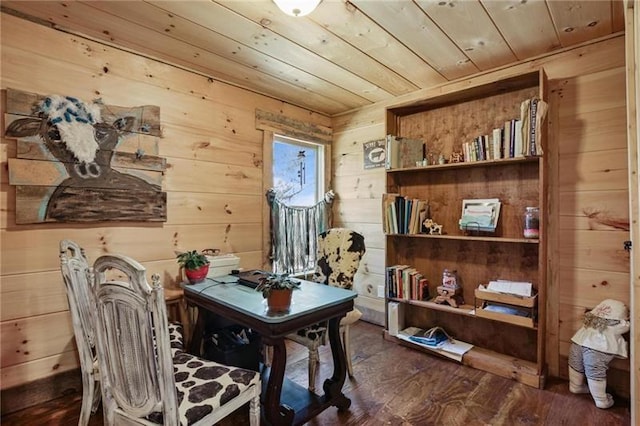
x,y
277,289
196,265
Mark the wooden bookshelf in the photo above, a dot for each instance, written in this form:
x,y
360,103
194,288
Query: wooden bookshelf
x,y
508,345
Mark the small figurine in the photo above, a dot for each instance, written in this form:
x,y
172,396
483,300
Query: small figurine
x,y
430,227
450,291
594,345
456,157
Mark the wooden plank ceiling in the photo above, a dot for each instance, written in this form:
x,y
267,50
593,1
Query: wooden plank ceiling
x,y
344,55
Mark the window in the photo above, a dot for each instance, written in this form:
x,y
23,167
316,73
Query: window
x,y
298,171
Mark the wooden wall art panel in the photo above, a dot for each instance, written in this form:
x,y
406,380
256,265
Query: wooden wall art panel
x,y
84,162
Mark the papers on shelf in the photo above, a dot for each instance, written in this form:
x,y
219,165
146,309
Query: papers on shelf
x,y
453,349
480,215
517,288
509,310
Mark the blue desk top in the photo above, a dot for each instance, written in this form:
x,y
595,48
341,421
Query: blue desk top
x,y
309,297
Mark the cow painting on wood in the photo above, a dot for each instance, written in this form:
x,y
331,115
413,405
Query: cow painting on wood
x,y
74,134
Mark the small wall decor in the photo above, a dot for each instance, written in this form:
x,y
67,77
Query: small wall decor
x,y
84,162
374,154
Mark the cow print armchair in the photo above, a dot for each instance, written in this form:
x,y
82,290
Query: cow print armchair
x,y
340,251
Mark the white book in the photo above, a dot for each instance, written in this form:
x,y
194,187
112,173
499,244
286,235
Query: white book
x,y
518,147
497,143
396,318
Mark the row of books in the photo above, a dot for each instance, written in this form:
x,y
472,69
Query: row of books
x,y
403,215
519,137
505,142
407,283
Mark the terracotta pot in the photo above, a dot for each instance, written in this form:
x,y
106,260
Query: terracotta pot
x,y
279,300
197,275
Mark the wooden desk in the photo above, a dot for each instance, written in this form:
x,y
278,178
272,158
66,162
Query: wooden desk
x,y
283,402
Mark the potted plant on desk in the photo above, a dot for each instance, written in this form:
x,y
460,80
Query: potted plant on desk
x,y
196,265
277,289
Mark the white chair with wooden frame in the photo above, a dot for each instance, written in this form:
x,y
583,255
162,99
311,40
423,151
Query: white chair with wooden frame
x,y
76,273
144,381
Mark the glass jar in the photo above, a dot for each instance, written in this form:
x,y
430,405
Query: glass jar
x,y
532,222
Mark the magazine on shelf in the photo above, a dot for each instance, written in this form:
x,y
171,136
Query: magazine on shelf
x,y
480,214
452,348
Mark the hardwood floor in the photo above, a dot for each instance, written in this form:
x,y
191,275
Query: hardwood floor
x,y
395,385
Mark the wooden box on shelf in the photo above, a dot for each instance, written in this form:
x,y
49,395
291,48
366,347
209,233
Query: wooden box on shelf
x,y
483,299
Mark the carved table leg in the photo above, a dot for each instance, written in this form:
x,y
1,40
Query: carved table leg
x,y
275,413
195,347
333,386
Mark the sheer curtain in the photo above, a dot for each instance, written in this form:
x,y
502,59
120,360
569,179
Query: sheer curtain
x,y
294,232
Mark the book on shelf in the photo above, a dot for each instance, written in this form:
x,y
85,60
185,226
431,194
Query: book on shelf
x,y
498,143
393,152
480,214
404,152
532,113
400,206
389,219
411,151
517,139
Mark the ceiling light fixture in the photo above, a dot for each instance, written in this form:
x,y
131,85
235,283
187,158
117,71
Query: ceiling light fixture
x,y
297,7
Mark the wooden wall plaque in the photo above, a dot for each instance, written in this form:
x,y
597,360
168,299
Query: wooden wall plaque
x,y
121,182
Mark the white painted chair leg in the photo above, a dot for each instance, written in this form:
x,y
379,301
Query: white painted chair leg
x,y
268,355
87,400
346,343
314,361
254,411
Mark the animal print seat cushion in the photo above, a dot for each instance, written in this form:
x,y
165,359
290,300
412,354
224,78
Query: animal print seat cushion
x,y
202,386
176,338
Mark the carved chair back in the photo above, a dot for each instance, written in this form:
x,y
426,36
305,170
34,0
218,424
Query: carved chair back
x,y
77,276
133,343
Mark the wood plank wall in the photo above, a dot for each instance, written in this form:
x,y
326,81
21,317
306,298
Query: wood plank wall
x,y
632,38
213,183
588,138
